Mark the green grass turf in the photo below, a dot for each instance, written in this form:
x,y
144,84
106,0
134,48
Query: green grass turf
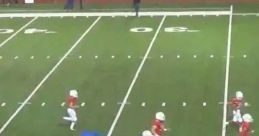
x,y
186,79
22,75
169,80
244,72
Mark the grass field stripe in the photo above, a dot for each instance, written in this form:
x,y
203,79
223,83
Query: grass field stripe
x,y
14,34
124,102
227,74
47,76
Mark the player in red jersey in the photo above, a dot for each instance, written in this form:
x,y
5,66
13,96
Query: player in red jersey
x,y
72,105
237,103
158,127
245,128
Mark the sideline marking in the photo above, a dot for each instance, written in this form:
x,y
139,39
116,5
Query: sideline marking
x,y
224,120
14,34
135,79
47,76
121,14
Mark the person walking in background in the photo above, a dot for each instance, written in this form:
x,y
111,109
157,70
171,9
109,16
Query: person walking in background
x,y
69,5
81,4
136,5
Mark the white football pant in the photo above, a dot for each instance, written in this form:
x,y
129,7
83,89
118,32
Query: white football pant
x,y
237,118
147,133
72,117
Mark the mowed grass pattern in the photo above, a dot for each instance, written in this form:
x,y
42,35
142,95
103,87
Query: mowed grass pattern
x,y
101,78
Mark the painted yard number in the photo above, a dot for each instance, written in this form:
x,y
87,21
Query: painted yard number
x,y
6,31
167,29
27,31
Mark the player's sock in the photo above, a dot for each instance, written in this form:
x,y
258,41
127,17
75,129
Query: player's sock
x,y
72,125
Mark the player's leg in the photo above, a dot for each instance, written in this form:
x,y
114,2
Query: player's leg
x,y
73,116
147,133
237,118
69,115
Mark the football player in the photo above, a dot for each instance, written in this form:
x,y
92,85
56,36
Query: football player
x,y
237,103
245,128
71,109
158,127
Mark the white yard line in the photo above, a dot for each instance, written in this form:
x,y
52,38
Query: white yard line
x,y
14,34
123,14
227,74
47,76
124,102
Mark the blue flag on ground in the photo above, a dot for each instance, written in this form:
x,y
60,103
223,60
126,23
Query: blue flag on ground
x,y
89,133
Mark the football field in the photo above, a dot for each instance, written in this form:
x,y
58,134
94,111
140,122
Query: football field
x,y
126,68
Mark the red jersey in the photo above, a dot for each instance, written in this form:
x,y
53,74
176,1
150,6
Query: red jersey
x,y
245,129
236,103
71,101
159,127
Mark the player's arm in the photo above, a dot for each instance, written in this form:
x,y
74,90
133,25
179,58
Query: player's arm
x,y
153,130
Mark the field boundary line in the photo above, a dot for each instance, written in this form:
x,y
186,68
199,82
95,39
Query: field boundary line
x,y
18,31
85,14
124,102
227,73
47,76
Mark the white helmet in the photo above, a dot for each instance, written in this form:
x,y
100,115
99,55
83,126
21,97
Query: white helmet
x,y
239,95
247,118
147,133
160,116
73,93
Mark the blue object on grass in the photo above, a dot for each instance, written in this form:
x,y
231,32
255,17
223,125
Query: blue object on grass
x,y
89,133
